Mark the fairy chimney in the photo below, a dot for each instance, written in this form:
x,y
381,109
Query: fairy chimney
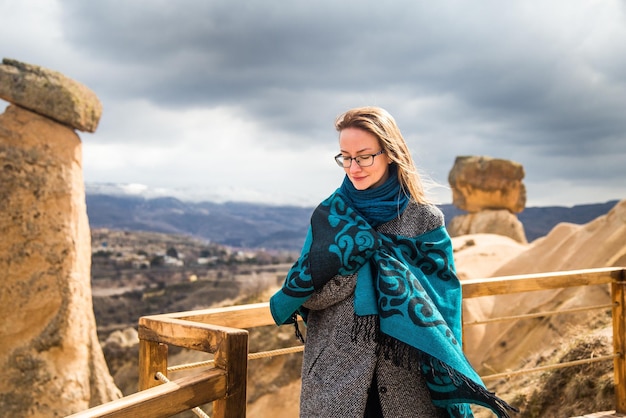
x,y
492,191
51,361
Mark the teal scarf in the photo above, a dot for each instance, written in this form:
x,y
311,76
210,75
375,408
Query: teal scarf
x,y
380,204
409,283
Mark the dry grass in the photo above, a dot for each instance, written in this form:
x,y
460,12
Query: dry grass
x,y
565,392
574,390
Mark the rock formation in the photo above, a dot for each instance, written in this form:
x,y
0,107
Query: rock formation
x,y
491,190
51,360
51,94
599,243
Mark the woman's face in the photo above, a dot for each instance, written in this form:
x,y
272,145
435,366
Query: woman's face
x,y
354,142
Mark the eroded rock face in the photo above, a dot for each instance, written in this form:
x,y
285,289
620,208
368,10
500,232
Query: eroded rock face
x,y
49,93
480,182
51,361
499,222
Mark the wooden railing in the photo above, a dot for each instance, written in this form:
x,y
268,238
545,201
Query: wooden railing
x,y
221,332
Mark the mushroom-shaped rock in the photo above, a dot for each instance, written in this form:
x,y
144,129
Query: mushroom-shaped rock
x,y
480,182
50,94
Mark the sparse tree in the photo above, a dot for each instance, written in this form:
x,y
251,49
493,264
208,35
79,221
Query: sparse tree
x,y
171,252
157,260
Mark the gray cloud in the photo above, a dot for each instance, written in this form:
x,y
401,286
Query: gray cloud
x,y
539,83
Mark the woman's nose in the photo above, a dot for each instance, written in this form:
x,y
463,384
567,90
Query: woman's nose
x,y
354,166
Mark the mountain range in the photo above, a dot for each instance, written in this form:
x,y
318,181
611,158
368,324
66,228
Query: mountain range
x,y
258,225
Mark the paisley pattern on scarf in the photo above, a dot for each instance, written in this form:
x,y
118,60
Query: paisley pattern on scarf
x,y
397,287
341,242
299,283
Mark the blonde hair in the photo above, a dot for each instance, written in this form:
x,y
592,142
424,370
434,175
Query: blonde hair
x,y
382,125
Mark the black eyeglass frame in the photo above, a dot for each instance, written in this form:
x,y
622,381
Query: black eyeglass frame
x,y
340,159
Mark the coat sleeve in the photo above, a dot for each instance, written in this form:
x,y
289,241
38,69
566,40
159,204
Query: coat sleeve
x,y
337,289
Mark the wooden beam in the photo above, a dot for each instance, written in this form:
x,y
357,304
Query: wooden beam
x,y
182,333
618,294
240,316
233,357
152,359
164,400
543,281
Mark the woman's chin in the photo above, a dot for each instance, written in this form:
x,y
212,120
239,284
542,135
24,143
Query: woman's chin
x,y
360,186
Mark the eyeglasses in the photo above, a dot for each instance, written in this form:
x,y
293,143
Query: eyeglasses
x,y
362,160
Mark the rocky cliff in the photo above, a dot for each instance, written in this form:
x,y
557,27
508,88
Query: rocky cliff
x,y
51,361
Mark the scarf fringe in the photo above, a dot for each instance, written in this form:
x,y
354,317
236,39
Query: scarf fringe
x,y
299,336
481,395
367,328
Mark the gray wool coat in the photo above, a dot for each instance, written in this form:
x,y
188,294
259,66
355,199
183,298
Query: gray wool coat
x,y
337,372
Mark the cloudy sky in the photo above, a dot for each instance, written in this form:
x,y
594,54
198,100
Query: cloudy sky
x,y
236,99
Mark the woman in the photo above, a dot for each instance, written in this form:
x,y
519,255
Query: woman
x,y
376,287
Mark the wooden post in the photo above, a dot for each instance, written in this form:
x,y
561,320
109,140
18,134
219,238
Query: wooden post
x,y
619,341
232,356
152,359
